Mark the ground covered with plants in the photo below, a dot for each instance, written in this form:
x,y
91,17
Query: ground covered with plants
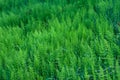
x,y
59,39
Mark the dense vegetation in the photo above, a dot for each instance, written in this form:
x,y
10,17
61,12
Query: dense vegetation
x,y
59,39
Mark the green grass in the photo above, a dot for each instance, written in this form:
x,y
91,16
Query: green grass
x,y
59,40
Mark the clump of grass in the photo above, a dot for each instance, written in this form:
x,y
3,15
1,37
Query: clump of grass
x,y
47,40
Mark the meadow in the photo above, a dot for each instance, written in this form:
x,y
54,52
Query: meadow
x,y
59,39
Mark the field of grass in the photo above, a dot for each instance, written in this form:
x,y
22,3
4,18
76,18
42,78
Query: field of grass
x,y
59,39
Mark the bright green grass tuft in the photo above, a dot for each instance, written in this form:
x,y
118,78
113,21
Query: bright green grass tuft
x,y
59,40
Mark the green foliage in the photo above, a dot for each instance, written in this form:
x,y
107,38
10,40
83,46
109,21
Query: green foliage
x,y
59,40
